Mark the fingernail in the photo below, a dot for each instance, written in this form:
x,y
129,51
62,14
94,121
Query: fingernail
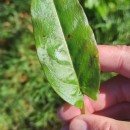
x,y
65,128
78,124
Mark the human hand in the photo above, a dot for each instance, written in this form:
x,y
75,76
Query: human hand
x,y
112,109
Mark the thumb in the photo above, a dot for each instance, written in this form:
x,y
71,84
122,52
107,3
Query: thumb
x,y
94,122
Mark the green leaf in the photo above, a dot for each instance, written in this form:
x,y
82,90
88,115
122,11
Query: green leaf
x,y
66,48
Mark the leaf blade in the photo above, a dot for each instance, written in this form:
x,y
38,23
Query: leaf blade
x,y
63,36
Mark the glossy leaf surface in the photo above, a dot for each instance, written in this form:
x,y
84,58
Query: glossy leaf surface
x,y
66,49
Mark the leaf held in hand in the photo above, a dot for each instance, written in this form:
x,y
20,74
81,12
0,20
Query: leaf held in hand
x,y
66,48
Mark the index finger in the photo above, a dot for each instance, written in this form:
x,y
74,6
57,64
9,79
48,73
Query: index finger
x,y
115,59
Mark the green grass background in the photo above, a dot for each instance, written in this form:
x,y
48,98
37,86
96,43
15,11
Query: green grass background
x,y
27,102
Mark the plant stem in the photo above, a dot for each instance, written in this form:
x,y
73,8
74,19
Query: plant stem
x,y
83,109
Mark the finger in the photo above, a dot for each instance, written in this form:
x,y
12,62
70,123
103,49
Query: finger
x,y
119,111
67,112
115,59
93,122
112,92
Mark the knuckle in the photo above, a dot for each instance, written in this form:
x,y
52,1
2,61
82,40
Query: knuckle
x,y
108,126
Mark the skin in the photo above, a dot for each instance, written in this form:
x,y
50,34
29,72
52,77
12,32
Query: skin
x,y
112,109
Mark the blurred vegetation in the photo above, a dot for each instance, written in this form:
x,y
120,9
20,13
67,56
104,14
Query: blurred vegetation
x,y
27,101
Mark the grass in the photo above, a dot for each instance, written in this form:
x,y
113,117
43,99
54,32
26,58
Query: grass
x,y
27,101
